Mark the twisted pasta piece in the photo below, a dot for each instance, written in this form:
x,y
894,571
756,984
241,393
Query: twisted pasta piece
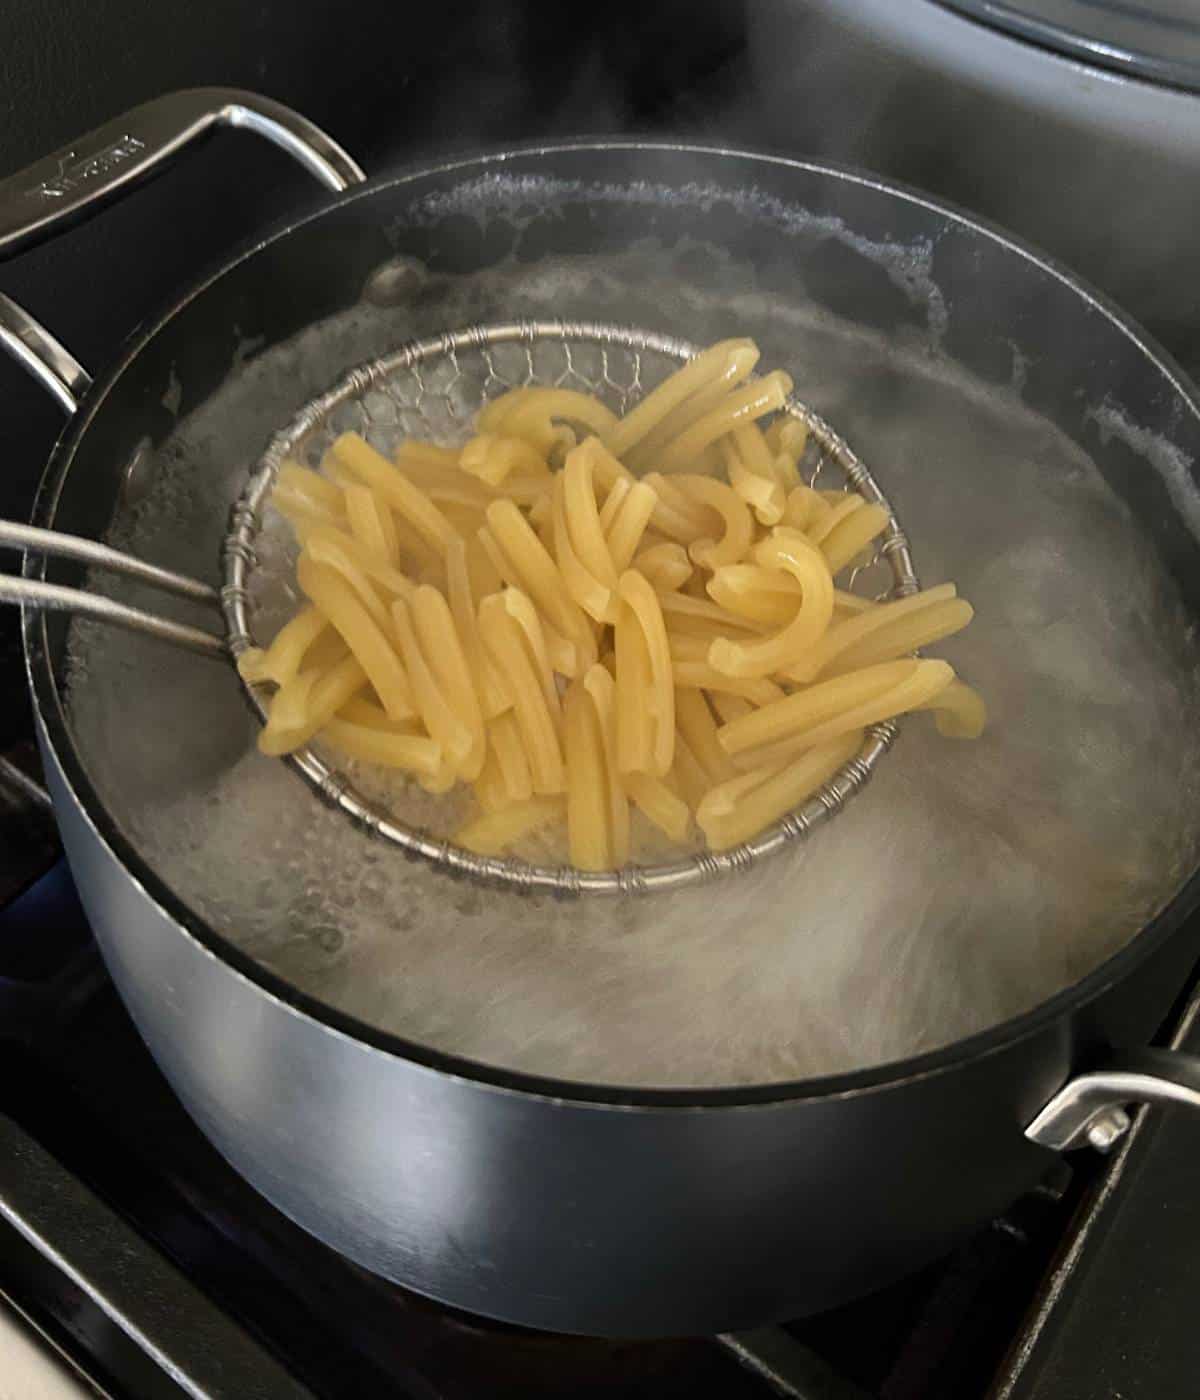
x,y
793,554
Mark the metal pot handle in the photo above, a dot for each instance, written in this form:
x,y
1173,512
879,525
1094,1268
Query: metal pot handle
x,y
77,180
1089,1110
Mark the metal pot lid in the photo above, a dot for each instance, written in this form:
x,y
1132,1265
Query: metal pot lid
x,y
1158,40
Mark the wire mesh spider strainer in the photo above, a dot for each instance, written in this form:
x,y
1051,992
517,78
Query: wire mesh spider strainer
x,y
432,389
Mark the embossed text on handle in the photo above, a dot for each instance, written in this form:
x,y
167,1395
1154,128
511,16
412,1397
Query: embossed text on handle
x,y
71,176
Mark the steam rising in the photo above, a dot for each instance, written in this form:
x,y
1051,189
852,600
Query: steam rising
x,y
967,884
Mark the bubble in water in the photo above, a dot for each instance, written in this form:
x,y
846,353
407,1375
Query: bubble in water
x,y
969,881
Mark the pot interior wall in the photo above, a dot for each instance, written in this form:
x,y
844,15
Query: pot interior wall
x,y
1038,456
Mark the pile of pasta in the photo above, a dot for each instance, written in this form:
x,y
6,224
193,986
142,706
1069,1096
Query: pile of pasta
x,y
577,614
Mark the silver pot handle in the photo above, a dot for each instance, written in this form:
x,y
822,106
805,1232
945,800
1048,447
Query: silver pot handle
x,y
1089,1110
78,179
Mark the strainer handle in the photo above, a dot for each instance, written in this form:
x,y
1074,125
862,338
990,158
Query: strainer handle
x,y
42,596
77,180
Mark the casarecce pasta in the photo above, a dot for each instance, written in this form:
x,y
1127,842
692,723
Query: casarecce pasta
x,y
576,617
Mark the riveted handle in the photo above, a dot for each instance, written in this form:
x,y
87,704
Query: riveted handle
x,y
79,178
74,182
1089,1110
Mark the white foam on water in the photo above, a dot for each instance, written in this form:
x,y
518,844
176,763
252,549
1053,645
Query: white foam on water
x,y
968,883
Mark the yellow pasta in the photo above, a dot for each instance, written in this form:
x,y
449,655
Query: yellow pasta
x,y
851,603
674,515
336,552
680,609
531,413
699,675
635,726
910,634
318,492
687,775
613,496
656,801
359,710
659,700
587,805
525,615
834,707
442,649
698,728
584,589
600,686
490,790
666,566
728,707
727,362
414,452
742,405
959,711
629,524
738,527
323,698
539,733
794,555
690,411
768,596
844,635
362,634
739,809
412,752
848,539
755,484
374,469
281,660
494,695
583,515
787,436
842,505
529,565
574,612
370,523
494,832
429,693
513,764
493,458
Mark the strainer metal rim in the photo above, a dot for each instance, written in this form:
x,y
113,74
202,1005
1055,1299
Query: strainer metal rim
x,y
417,844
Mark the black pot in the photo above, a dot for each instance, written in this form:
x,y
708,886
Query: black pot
x,y
555,1204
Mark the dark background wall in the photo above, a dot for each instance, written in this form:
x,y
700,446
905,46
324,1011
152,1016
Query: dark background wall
x,y
396,82
390,80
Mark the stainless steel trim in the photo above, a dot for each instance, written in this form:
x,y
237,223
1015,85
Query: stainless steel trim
x,y
47,359
1089,1110
76,180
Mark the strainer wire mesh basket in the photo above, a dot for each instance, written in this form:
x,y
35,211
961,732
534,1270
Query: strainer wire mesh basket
x,y
432,389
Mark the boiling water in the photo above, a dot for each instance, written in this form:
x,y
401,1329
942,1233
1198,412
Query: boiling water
x,y
967,883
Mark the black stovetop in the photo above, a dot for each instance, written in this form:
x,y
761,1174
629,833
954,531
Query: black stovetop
x,y
168,1265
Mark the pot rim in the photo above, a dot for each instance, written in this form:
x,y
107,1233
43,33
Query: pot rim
x,y
55,729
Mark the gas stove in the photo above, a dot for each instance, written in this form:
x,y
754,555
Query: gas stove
x,y
135,1260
